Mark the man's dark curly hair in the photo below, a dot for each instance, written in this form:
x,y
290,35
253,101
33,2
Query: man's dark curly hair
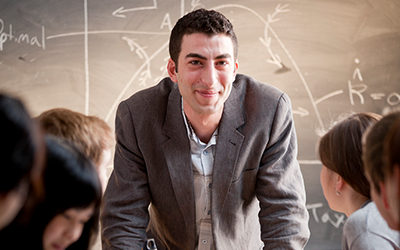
x,y
209,22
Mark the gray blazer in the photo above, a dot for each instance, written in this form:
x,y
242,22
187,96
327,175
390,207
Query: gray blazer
x,y
257,193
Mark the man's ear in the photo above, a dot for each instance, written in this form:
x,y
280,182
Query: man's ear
x,y
236,69
172,70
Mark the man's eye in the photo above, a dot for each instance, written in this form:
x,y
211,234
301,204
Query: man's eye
x,y
222,63
195,62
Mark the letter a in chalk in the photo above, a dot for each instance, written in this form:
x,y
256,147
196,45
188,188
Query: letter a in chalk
x,y
166,21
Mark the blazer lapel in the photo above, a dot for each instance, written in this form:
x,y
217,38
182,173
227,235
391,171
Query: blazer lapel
x,y
229,143
177,156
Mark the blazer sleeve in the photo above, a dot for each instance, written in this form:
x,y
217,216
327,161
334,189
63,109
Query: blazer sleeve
x,y
125,214
280,186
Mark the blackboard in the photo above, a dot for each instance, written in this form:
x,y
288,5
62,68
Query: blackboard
x,y
330,56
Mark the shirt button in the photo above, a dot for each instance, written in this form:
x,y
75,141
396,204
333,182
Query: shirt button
x,y
205,153
204,241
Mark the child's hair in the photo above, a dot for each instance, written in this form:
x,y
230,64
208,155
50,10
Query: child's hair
x,y
71,181
391,148
340,150
90,134
373,148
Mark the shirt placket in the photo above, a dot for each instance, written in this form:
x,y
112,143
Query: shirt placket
x,y
205,236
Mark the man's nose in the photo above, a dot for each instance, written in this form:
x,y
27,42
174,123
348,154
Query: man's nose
x,y
209,75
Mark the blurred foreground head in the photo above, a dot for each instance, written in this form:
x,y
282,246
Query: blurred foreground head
x,y
22,154
381,160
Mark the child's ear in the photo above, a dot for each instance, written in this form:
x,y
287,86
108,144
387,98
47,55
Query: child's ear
x,y
396,174
339,183
384,195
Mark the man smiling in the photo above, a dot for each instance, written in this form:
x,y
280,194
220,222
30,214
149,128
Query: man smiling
x,y
212,152
207,68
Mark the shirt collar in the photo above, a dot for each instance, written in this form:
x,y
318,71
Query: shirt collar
x,y
192,135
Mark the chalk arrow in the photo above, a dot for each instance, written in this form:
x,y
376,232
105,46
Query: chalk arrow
x,y
302,112
119,12
116,12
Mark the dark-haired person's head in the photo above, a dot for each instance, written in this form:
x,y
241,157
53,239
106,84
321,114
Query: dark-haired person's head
x,y
208,22
340,151
381,157
391,183
19,151
73,194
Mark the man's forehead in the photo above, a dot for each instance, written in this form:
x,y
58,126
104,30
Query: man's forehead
x,y
188,43
221,35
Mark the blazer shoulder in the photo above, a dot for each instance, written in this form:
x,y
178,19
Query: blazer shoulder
x,y
154,96
250,88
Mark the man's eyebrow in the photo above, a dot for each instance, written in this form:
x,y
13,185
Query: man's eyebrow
x,y
195,55
223,56
227,55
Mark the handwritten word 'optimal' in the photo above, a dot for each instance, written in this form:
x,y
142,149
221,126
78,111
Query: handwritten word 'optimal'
x,y
9,36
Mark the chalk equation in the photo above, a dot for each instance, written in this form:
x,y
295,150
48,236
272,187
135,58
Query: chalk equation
x,y
338,219
357,87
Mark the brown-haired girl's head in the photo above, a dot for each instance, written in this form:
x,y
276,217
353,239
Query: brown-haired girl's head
x,y
340,150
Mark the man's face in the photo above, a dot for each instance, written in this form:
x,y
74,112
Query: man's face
x,y
206,70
